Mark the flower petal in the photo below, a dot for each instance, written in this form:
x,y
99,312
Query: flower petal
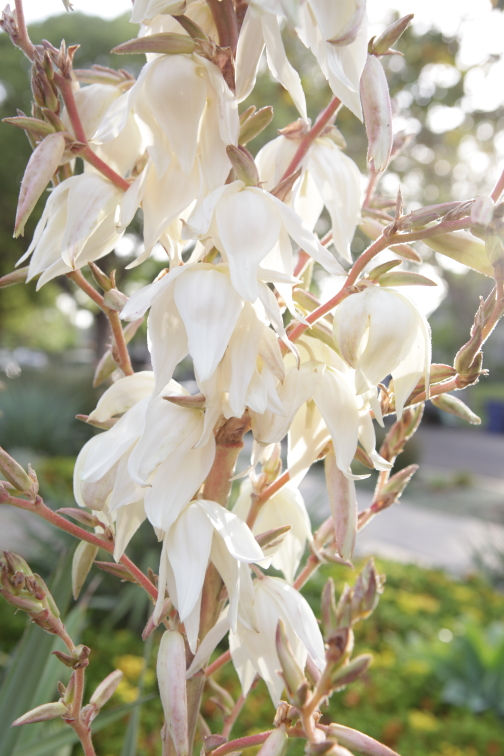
x,y
279,65
123,394
236,534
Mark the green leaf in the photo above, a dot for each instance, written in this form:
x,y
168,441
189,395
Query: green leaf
x,y
52,743
28,662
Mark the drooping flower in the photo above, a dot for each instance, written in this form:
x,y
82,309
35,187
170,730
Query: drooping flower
x,y
329,178
380,332
77,226
286,507
245,223
336,33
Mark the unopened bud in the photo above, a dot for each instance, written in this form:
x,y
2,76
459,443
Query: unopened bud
x,y
82,562
382,44
344,608
254,124
351,671
118,570
359,742
34,125
291,671
244,166
164,43
16,276
171,675
42,713
366,592
114,299
462,247
41,167
275,744
14,473
377,113
380,270
24,602
404,278
361,456
37,591
482,211
272,537
80,515
106,689
16,563
283,190
454,406
392,491
100,277
339,646
343,502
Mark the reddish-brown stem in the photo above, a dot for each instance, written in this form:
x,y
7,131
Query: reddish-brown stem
x,y
233,716
322,121
84,735
262,498
240,743
311,565
224,16
372,181
498,188
78,691
39,508
23,40
65,87
120,353
218,663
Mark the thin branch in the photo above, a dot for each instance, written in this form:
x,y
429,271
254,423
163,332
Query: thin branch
x,y
267,493
240,743
235,713
218,663
224,16
23,40
322,121
79,280
498,188
39,508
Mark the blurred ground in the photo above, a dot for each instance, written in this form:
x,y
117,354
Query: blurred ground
x,y
452,511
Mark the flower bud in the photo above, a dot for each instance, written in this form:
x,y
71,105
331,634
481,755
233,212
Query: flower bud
x,y
391,491
33,125
164,43
193,401
213,741
171,674
450,403
271,538
41,167
14,473
366,592
42,713
106,689
343,504
404,278
101,278
16,276
339,646
291,671
359,742
244,166
377,113
351,671
82,562
114,300
254,124
276,743
381,45
462,247
319,749
118,570
380,270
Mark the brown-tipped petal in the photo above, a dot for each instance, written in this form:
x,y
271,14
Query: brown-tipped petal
x,y
244,166
385,41
16,276
171,674
343,503
82,562
105,425
377,113
359,742
13,472
404,278
454,406
165,43
41,167
254,124
106,689
42,714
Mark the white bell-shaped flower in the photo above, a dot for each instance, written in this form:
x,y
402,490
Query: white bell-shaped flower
x,y
76,227
245,223
336,33
204,531
286,507
329,178
380,332
261,27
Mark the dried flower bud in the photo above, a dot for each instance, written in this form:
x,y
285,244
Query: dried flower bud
x,y
454,406
377,113
381,45
42,713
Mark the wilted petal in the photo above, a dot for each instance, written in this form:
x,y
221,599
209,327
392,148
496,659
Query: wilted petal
x,y
209,307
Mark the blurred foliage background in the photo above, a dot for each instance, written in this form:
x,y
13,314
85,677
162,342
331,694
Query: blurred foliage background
x,y
437,685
